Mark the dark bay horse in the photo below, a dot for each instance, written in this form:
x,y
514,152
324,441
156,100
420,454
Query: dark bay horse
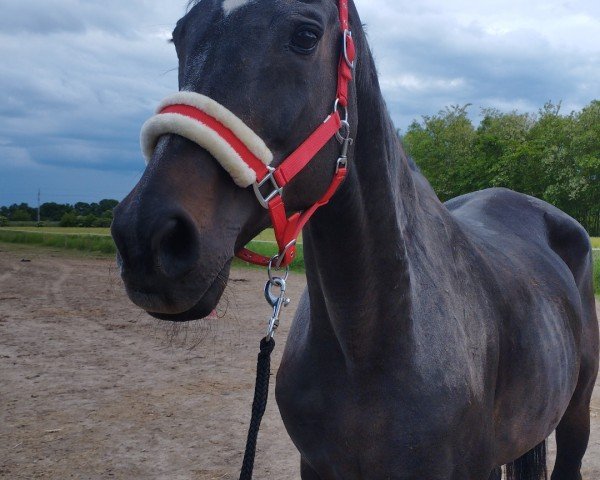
x,y
434,341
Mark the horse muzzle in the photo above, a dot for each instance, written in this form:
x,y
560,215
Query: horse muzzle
x,y
173,255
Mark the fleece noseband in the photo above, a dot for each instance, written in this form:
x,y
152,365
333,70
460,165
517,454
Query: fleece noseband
x,y
206,122
244,155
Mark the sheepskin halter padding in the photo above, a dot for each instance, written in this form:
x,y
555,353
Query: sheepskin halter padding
x,y
224,135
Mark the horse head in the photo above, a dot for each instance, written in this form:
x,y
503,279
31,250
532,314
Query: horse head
x,y
274,67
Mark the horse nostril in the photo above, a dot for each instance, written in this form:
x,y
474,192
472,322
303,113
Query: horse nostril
x,y
176,247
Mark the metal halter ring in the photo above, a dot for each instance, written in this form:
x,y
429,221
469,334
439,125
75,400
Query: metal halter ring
x,y
277,259
336,107
345,136
273,266
348,35
345,128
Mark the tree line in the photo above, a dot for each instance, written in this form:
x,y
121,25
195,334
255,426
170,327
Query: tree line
x,y
80,214
550,155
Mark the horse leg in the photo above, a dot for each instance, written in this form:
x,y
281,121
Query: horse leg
x,y
572,435
307,472
573,431
496,474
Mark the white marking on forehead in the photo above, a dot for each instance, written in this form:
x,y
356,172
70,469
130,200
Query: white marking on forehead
x,y
230,6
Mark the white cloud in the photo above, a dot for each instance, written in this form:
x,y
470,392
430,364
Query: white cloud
x,y
419,83
79,78
14,157
500,53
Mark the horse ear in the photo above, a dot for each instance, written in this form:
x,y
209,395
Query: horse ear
x,y
191,4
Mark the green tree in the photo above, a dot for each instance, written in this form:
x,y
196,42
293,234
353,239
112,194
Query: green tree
x,y
107,204
87,220
82,208
552,156
53,212
502,157
69,219
442,146
20,208
102,222
21,215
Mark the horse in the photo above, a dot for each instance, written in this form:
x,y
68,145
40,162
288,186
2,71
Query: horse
x,y
434,341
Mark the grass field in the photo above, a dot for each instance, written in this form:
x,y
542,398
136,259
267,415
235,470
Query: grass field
x,y
98,240
85,241
62,230
266,236
597,271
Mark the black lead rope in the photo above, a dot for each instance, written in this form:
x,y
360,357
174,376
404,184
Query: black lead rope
x,y
261,396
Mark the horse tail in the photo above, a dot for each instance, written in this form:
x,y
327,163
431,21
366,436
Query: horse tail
x,y
531,466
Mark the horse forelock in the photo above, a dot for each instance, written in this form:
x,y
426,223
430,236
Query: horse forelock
x,y
228,6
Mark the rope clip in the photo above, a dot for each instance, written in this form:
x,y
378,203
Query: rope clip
x,y
276,301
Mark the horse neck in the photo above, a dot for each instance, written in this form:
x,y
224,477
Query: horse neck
x,y
356,248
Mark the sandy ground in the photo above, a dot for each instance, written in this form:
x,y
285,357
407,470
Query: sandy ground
x,y
90,388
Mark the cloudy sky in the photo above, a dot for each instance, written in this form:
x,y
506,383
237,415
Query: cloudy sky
x,y
79,77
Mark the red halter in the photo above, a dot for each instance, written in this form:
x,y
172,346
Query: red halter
x,y
287,229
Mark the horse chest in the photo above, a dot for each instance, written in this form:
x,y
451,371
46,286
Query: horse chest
x,y
323,423
344,425
315,401
320,411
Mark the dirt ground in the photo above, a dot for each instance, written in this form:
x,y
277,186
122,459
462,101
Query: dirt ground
x,y
91,388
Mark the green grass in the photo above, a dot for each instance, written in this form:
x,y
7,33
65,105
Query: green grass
x,y
596,256
61,230
268,249
98,240
266,236
84,242
269,236
12,223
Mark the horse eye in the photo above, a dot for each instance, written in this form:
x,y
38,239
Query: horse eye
x,y
304,40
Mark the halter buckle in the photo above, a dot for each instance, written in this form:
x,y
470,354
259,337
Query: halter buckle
x,y
342,162
265,199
